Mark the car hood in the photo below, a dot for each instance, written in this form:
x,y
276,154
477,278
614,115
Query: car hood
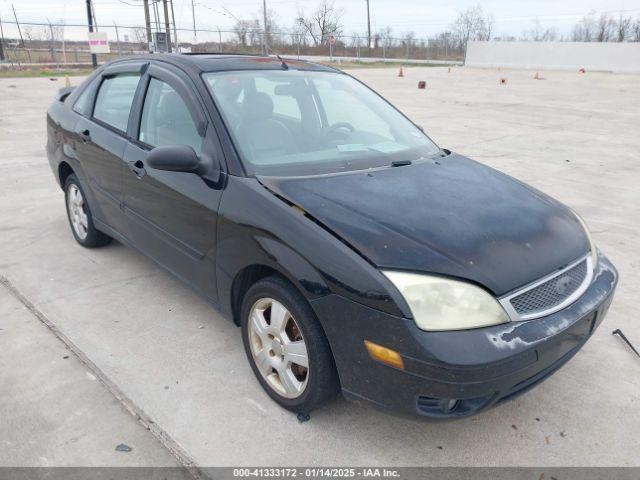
x,y
451,216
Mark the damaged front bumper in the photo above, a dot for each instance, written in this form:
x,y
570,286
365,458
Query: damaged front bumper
x,y
455,374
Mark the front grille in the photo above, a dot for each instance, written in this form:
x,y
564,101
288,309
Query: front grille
x,y
552,292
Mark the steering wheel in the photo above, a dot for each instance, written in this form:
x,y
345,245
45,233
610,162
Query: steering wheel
x,y
341,130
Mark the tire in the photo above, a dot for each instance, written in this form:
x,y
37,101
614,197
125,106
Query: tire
x,y
320,381
79,215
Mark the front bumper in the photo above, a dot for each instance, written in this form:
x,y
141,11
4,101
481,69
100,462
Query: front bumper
x,y
478,368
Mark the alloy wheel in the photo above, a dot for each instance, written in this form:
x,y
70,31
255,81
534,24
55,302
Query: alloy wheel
x,y
77,214
278,348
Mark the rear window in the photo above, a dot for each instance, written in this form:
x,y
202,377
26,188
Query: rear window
x,y
114,100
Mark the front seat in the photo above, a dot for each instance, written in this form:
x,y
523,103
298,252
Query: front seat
x,y
261,135
175,124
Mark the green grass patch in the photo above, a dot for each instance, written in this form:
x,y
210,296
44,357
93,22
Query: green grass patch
x,y
41,72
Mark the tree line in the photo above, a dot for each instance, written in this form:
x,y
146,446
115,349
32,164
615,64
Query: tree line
x,y
316,26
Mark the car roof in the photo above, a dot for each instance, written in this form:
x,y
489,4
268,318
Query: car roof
x,y
219,62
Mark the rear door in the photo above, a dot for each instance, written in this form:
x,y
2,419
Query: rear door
x,y
101,140
172,216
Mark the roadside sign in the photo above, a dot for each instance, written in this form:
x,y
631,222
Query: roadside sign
x,y
332,40
98,42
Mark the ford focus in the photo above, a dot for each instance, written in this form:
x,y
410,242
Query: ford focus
x,y
354,253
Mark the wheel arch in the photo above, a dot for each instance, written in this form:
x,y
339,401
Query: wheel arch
x,y
253,272
64,170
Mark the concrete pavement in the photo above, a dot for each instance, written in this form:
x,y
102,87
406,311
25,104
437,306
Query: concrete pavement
x,y
573,136
54,411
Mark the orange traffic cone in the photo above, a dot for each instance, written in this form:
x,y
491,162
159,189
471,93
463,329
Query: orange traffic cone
x,y
401,72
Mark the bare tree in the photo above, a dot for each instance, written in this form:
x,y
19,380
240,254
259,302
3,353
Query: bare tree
x,y
409,38
139,35
623,27
323,22
488,22
386,36
635,31
298,34
241,29
540,34
272,25
472,24
254,32
586,29
606,26
354,40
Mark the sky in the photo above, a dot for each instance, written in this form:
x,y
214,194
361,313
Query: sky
x,y
424,17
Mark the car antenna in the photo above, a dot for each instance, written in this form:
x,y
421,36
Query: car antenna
x,y
284,65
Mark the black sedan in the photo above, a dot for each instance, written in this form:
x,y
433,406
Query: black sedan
x,y
354,253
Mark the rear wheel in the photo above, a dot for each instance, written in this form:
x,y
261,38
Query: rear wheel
x,y
286,347
80,217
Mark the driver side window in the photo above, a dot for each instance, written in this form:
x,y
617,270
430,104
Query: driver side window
x,y
166,120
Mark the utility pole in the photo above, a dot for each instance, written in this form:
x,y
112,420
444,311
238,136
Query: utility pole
x,y
175,30
265,49
1,41
368,30
166,24
94,58
147,23
193,14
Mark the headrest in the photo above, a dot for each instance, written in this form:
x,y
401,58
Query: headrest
x,y
173,107
257,106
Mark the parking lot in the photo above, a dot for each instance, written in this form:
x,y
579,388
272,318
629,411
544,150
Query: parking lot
x,y
153,367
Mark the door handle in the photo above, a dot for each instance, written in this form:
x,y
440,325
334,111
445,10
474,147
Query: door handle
x,y
85,135
137,168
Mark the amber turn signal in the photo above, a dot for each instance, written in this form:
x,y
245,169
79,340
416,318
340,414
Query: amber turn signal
x,y
384,355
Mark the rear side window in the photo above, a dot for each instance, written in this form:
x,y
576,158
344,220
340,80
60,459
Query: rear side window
x,y
166,119
83,103
114,100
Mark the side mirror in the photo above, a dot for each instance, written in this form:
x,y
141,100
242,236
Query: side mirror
x,y
174,158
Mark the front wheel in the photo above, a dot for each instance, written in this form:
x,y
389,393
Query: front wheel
x,y
286,346
80,217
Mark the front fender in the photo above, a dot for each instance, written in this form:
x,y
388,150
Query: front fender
x,y
257,228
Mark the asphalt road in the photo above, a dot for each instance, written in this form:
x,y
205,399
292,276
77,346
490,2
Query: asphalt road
x,y
183,368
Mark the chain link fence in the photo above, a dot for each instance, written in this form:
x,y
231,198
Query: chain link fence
x,y
57,44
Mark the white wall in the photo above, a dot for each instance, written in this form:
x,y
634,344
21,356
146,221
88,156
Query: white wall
x,y
608,56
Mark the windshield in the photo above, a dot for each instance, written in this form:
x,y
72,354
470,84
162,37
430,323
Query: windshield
x,y
293,122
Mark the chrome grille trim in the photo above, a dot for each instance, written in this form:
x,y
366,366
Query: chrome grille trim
x,y
515,316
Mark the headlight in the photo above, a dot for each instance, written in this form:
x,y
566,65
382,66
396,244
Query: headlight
x,y
592,246
442,304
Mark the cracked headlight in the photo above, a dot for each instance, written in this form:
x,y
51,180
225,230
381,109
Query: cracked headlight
x,y
439,303
592,246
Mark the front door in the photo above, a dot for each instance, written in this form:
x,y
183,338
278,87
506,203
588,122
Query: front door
x,y
172,216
